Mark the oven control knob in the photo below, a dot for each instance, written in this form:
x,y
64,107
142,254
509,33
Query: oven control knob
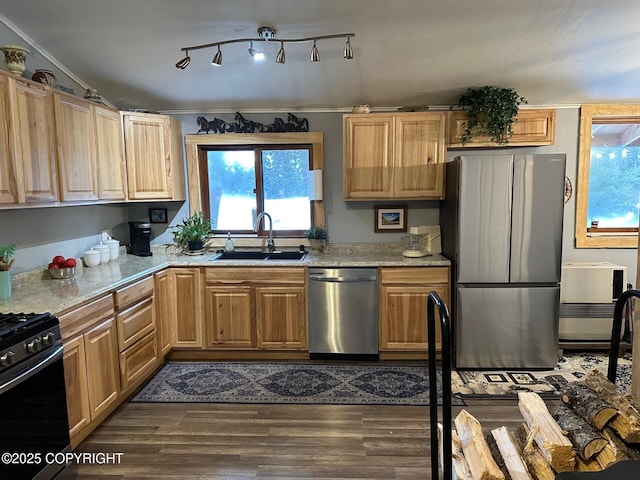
x,y
48,339
34,345
6,360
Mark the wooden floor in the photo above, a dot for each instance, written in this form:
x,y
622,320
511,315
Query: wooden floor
x,y
221,441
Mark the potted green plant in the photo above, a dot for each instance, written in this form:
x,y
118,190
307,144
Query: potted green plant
x,y
318,235
6,260
192,232
491,111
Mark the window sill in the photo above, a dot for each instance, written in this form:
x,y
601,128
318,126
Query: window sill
x,y
602,240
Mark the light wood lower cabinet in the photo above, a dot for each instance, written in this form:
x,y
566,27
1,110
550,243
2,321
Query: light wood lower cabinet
x,y
256,308
281,317
91,368
186,295
164,304
403,308
137,345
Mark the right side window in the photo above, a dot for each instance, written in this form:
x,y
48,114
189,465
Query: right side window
x,y
608,190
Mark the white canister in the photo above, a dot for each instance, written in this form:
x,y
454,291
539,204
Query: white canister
x,y
91,258
105,253
114,248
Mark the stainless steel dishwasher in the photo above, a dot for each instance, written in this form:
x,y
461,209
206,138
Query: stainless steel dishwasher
x,y
343,313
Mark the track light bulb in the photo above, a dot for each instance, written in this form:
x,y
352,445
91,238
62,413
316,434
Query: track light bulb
x,y
348,51
255,54
280,57
315,54
217,58
182,64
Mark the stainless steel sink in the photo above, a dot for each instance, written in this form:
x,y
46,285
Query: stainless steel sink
x,y
260,256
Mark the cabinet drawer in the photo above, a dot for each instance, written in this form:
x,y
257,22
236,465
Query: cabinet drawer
x,y
138,359
426,275
134,323
126,296
252,275
86,316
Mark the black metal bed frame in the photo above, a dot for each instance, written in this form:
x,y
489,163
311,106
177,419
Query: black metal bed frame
x,y
435,302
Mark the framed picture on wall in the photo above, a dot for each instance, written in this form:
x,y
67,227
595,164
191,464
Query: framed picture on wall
x,y
391,218
158,215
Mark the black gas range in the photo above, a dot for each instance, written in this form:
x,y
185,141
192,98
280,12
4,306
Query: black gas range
x,y
32,397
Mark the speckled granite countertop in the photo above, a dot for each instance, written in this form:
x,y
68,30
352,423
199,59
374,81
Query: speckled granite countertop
x,y
37,292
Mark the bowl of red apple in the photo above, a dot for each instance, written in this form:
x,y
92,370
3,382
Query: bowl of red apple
x,y
61,267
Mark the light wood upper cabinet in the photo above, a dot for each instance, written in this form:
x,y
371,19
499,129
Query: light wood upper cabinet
x,y
110,154
389,156
33,141
153,147
533,127
8,183
76,144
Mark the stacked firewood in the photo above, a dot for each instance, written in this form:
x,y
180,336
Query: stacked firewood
x,y
594,427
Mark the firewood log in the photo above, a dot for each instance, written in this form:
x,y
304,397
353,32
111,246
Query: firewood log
x,y
497,455
459,463
586,403
586,439
475,448
536,462
510,453
623,451
607,456
587,465
548,436
627,421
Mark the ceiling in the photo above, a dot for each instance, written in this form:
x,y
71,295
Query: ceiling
x,y
406,52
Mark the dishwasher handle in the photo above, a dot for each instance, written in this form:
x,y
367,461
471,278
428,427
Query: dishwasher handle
x,y
319,277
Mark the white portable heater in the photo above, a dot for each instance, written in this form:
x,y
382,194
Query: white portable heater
x,y
588,291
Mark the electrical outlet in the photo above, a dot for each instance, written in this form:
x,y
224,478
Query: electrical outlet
x,y
106,235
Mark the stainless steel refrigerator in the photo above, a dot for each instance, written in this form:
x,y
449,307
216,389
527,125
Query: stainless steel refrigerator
x,y
501,224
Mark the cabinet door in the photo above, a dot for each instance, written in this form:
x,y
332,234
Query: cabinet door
x,y
110,154
281,318
419,156
33,142
229,316
532,128
403,324
8,182
147,146
103,373
75,377
76,142
185,291
138,359
164,320
368,156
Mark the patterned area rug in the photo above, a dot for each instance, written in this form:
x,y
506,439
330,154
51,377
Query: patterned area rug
x,y
240,382
571,367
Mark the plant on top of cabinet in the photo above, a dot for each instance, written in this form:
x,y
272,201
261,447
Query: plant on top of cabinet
x,y
192,232
490,111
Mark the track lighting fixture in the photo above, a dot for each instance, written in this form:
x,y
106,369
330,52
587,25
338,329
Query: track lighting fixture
x,y
267,34
217,58
255,54
348,51
315,54
280,56
182,64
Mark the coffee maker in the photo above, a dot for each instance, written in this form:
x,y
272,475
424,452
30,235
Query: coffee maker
x,y
140,234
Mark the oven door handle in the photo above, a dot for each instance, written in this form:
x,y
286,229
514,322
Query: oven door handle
x,y
48,360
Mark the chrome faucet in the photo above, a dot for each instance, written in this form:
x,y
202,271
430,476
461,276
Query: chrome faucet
x,y
270,245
